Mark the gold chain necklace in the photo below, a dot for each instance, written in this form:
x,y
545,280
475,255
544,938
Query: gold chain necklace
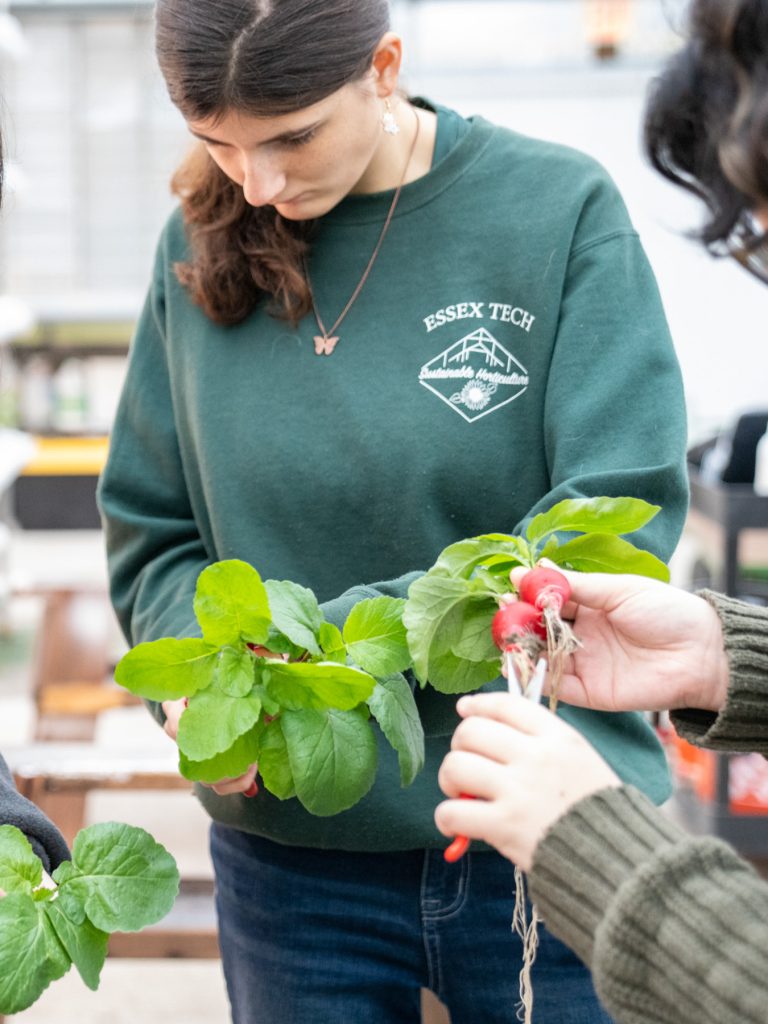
x,y
326,341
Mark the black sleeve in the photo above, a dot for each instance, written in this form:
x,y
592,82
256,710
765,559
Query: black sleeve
x,y
47,842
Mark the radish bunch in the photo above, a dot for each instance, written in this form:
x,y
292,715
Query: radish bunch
x,y
459,615
524,627
520,630
543,593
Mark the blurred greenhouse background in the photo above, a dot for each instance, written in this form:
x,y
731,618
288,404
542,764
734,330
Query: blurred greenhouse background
x,y
93,138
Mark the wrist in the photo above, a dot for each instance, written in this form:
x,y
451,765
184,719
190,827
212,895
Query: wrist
x,y
709,687
721,681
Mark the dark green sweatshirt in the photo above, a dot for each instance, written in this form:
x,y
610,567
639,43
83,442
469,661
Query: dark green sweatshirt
x,y
674,927
508,350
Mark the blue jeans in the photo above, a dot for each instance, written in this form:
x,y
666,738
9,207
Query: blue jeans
x,y
329,937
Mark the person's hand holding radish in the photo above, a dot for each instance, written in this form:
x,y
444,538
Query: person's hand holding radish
x,y
645,645
642,645
246,783
525,766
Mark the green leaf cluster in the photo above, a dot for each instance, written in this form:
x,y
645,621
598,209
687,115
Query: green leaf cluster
x,y
449,610
119,879
269,681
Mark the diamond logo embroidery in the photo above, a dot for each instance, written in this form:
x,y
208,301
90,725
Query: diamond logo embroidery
x,y
475,376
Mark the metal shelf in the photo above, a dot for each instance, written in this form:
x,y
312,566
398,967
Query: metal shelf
x,y
734,508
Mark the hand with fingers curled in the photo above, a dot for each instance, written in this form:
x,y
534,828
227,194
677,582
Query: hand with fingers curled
x,y
245,784
524,766
645,645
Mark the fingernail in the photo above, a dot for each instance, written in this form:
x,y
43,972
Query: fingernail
x,y
252,790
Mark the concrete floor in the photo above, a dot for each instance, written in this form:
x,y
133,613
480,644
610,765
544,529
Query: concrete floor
x,y
151,991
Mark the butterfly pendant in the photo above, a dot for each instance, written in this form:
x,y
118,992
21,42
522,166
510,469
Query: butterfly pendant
x,y
324,345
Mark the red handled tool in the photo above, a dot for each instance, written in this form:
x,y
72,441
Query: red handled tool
x,y
460,844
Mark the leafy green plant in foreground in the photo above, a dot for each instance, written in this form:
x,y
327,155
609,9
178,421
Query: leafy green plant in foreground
x,y
305,715
119,879
305,720
450,609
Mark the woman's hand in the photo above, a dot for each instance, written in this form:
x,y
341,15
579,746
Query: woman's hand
x,y
524,765
242,784
647,646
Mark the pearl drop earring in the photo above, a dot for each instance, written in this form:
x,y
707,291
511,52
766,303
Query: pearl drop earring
x,y
388,122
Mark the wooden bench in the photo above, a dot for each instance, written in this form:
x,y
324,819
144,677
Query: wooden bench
x,y
59,776
72,682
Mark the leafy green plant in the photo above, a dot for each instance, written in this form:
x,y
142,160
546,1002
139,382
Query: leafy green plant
x,y
304,715
119,879
450,609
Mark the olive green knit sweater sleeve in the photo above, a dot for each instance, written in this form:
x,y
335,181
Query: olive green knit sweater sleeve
x,y
674,928
743,722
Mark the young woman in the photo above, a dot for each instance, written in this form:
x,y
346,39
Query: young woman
x,y
374,328
675,928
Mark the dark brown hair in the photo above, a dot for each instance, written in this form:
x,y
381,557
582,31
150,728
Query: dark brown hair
x,y
706,124
259,57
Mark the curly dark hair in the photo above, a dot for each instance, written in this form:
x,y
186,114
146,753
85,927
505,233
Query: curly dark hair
x,y
706,122
260,57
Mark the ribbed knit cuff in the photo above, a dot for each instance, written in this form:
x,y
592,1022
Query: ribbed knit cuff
x,y
587,855
743,722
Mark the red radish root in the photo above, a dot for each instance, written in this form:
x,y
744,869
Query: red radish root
x,y
545,588
513,621
548,590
